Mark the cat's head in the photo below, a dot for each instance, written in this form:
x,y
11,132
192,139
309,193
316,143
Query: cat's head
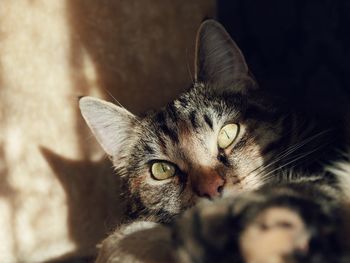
x,y
212,141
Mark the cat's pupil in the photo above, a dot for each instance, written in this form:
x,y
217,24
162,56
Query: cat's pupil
x,y
164,168
228,137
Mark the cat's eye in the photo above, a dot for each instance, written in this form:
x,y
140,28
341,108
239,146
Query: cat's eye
x,y
162,170
228,135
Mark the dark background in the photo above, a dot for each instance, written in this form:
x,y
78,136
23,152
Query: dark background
x,y
296,48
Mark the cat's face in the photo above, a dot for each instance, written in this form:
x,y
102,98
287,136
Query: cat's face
x,y
212,141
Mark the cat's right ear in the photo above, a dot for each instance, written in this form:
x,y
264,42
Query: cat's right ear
x,y
219,62
111,125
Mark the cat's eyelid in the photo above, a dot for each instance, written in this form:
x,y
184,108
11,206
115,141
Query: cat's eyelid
x,y
241,134
230,119
151,162
177,171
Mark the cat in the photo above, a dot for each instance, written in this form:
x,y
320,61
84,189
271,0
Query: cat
x,y
217,139
224,137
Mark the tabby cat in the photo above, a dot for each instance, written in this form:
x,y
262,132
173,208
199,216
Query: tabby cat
x,y
223,138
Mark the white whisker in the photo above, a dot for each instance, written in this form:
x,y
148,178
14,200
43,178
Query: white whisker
x,y
286,154
299,157
120,105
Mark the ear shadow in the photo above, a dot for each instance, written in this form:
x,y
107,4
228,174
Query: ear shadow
x,y
93,199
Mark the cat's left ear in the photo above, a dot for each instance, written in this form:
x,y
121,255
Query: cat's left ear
x,y
219,62
112,125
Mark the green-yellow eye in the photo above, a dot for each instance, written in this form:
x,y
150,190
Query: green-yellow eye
x,y
162,170
227,135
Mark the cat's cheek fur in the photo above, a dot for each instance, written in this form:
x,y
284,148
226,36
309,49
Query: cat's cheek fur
x,y
249,161
159,195
244,176
171,195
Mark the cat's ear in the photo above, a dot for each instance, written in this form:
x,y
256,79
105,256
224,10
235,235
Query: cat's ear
x,y
111,125
219,61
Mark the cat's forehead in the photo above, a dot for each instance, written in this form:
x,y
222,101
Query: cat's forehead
x,y
196,109
185,141
206,98
187,128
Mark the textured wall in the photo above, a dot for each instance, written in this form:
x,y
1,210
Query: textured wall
x,y
57,192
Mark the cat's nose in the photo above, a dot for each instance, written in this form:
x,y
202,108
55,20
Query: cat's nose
x,y
208,183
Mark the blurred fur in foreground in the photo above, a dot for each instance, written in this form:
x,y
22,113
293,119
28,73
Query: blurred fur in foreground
x,y
286,223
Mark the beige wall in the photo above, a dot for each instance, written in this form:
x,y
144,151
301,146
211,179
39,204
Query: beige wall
x,y
58,195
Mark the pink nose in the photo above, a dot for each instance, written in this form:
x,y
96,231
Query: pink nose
x,y
207,183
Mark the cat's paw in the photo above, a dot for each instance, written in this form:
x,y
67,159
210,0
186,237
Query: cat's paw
x,y
273,235
137,242
206,233
272,225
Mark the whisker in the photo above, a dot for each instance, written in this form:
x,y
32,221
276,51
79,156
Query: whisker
x,y
120,105
287,152
115,100
293,160
188,67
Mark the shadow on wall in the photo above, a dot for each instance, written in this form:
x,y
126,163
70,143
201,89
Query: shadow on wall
x,y
140,51
296,48
90,188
